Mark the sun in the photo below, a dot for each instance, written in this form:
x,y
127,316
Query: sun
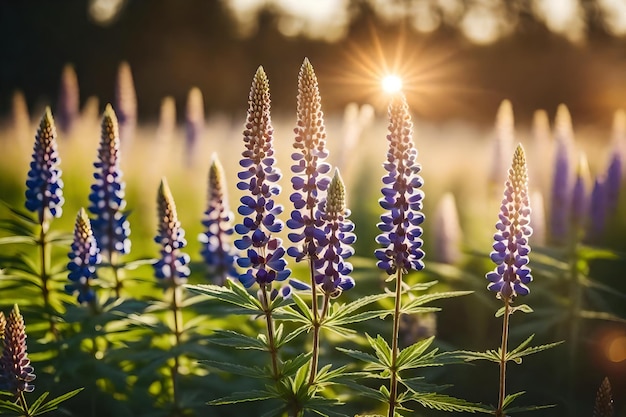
x,y
391,84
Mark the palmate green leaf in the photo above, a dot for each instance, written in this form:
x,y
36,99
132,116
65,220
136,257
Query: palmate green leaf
x,y
588,253
281,339
362,356
411,306
328,375
508,400
382,349
39,407
365,391
522,350
303,308
232,368
23,216
409,356
11,406
341,314
443,402
524,308
237,340
232,293
241,397
417,384
324,406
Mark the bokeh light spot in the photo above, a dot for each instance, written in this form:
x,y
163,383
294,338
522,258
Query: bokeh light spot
x,y
616,349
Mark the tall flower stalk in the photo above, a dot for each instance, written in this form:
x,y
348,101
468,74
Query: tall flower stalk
x,y
510,254
263,260
218,254
400,225
172,270
44,196
110,226
309,183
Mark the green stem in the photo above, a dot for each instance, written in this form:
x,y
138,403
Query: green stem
x,y
45,290
393,382
316,339
316,323
270,332
116,274
177,314
503,352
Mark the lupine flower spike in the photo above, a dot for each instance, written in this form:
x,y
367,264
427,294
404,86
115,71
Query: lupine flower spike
x,y
44,187
561,178
107,203
16,372
511,248
68,107
194,124
580,197
126,101
309,180
217,251
400,227
264,258
84,257
332,270
402,197
447,234
502,144
171,268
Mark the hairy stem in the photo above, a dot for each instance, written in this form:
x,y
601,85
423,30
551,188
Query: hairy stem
x,y
393,382
503,351
45,278
270,332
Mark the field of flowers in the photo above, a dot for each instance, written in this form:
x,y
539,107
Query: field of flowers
x,y
308,264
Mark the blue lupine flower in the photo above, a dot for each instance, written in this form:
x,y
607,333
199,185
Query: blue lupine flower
x,y
110,227
84,257
561,179
597,210
216,249
511,248
580,197
44,186
16,372
332,270
264,257
309,169
171,268
402,197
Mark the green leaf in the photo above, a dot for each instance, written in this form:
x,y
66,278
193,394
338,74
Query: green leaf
x,y
234,295
34,406
521,351
510,398
12,240
240,397
409,355
417,384
362,356
232,368
426,298
290,366
10,406
53,404
303,307
446,403
382,349
468,355
237,340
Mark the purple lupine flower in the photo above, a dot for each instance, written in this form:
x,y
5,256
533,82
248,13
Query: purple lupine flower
x,y
110,227
126,101
597,210
332,270
613,181
511,248
16,372
402,197
84,257
561,181
194,123
217,252
167,119
68,107
171,269
447,233
44,186
541,150
264,258
580,196
309,169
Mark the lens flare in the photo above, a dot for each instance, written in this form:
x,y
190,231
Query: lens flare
x,y
391,84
